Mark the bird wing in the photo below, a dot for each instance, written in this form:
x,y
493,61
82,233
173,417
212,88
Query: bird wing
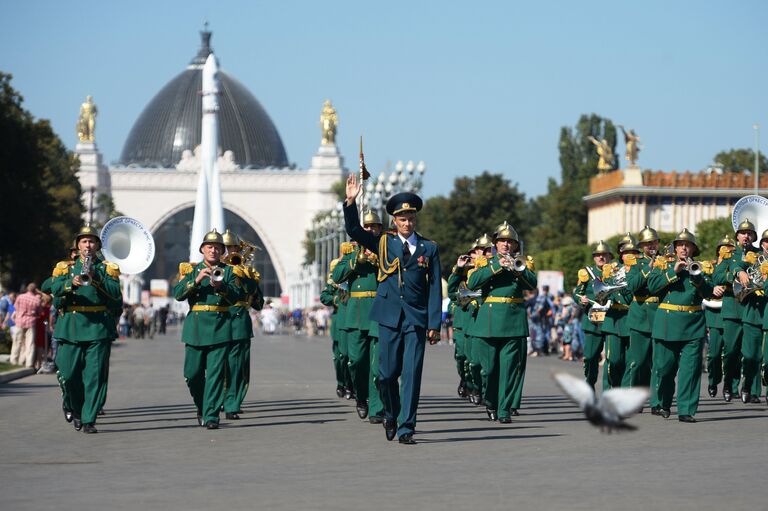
x,y
575,388
623,402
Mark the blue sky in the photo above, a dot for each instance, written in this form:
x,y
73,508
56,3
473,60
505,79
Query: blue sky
x,y
464,86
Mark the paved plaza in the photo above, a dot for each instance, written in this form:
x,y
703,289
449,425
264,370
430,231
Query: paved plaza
x,y
298,447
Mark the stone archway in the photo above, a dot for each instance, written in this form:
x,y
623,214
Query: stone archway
x,y
172,247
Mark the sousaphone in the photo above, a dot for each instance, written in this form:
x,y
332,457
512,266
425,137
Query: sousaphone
x,y
127,242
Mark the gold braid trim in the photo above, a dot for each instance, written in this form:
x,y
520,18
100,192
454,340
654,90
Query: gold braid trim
x,y
385,269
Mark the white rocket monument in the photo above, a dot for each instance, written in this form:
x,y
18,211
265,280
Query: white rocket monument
x,y
209,211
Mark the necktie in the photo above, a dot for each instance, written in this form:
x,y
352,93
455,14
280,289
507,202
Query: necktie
x,y
406,253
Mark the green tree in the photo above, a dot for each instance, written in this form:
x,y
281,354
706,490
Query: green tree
x,y
561,211
739,160
710,232
476,205
41,207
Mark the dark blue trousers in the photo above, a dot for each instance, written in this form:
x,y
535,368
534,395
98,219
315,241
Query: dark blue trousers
x,y
401,355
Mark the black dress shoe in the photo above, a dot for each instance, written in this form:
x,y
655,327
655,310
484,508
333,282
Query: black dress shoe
x,y
362,409
67,414
727,395
505,420
655,410
339,391
374,419
514,413
686,418
390,428
407,439
100,412
665,413
754,399
745,397
349,394
462,389
89,428
712,390
211,425
77,424
232,416
492,415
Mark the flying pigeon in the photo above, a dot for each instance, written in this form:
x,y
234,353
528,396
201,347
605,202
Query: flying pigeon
x,y
609,411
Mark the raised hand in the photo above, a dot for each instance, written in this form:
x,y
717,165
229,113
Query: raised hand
x,y
353,189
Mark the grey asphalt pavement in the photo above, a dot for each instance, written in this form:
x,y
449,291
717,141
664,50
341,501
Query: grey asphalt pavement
x,y
298,447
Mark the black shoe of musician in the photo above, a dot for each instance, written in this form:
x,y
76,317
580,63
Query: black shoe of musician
x,y
390,428
712,390
232,416
754,399
349,394
727,395
686,418
407,439
77,424
375,419
492,415
744,396
513,412
100,412
665,413
339,391
89,428
362,409
211,425
462,389
67,414
505,420
656,410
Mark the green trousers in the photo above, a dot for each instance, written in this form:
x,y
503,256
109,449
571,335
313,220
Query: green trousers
x,y
375,404
474,351
460,353
236,383
593,346
359,362
638,373
765,363
103,393
715,357
615,361
503,372
82,374
732,333
751,355
204,368
681,359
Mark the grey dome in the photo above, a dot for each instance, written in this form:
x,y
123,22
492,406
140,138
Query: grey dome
x,y
171,122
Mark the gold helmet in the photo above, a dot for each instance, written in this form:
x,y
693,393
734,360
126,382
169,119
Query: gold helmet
x,y
764,236
628,247
601,248
484,241
474,246
230,238
686,235
505,232
627,238
746,225
728,241
213,236
648,234
370,218
87,231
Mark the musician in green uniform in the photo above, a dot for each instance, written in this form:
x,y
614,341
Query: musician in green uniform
x,y
88,290
501,324
359,271
330,297
764,273
591,323
679,327
641,311
342,331
713,307
460,303
728,270
247,293
209,288
615,327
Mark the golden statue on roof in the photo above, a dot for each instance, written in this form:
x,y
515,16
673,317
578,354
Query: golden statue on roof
x,y
328,122
86,123
632,143
605,163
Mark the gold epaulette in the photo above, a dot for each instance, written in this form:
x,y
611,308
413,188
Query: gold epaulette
x,y
630,260
707,267
253,274
583,276
750,257
661,263
725,252
333,264
529,263
185,269
239,270
61,268
113,269
480,262
608,270
346,248
764,267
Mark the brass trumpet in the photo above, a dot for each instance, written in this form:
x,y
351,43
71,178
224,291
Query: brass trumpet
x,y
513,263
217,274
85,272
694,267
245,254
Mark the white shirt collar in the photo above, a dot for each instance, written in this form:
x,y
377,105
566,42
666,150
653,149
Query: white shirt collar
x,y
412,240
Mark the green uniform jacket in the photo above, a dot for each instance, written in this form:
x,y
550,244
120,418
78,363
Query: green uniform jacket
x,y
724,275
498,319
104,291
206,328
753,305
342,296
641,313
585,289
246,291
328,297
616,322
678,289
361,278
463,316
